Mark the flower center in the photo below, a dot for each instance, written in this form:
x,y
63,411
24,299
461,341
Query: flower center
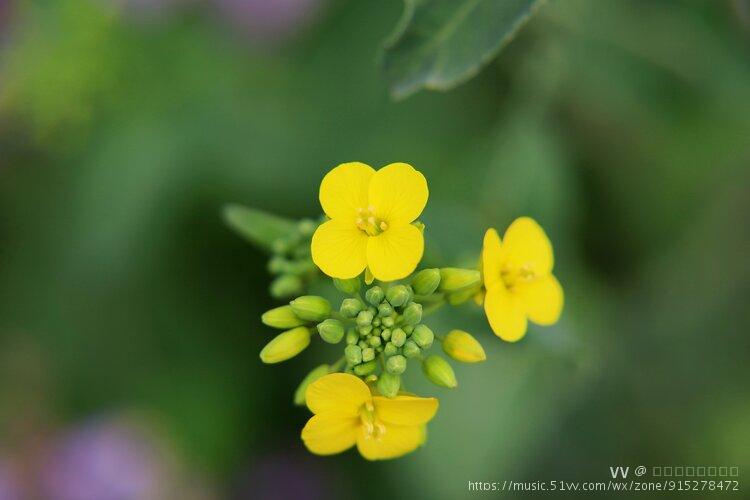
x,y
513,276
374,428
369,223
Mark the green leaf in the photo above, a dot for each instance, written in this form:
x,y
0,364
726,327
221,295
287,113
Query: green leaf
x,y
439,44
257,226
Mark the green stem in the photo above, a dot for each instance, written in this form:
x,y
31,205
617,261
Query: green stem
x,y
337,365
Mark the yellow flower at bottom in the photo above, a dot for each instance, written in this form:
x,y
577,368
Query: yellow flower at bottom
x,y
517,274
371,221
347,413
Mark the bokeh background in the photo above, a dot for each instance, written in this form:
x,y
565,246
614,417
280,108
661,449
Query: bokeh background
x,y
129,313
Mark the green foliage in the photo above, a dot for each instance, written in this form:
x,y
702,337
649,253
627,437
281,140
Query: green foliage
x,y
439,44
258,227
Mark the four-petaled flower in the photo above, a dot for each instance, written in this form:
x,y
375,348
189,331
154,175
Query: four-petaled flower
x,y
371,221
518,278
347,413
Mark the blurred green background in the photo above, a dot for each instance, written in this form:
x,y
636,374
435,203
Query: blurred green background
x,y
623,127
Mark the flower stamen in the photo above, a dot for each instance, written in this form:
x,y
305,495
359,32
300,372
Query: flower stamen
x,y
369,223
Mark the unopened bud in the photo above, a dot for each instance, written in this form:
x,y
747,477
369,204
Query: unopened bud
x,y
426,281
364,318
311,307
411,349
461,346
286,285
385,309
364,330
388,321
413,313
454,279
352,336
439,372
390,349
307,227
458,298
398,295
423,336
398,337
286,345
281,317
365,368
331,330
375,341
299,394
396,364
353,354
368,354
375,295
385,334
389,384
351,307
348,286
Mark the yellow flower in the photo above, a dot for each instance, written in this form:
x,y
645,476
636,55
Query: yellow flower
x,y
519,281
347,413
371,214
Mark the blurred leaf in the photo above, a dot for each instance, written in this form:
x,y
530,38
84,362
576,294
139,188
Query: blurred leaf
x,y
256,226
439,44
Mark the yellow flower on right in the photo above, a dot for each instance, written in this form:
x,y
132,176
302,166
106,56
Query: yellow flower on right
x,y
518,279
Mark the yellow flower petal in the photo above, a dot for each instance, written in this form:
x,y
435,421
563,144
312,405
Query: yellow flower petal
x,y
345,189
505,314
491,255
398,193
405,410
395,253
542,299
339,249
339,393
330,433
525,244
395,441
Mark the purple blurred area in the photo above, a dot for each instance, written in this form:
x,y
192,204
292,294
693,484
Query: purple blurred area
x,y
9,482
103,460
288,475
270,21
6,8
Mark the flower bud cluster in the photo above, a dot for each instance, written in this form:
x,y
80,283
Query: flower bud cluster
x,y
290,262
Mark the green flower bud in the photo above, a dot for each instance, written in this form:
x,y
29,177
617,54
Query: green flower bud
x,y
408,329
352,336
426,281
299,394
439,372
277,265
376,322
385,334
365,368
349,286
389,384
364,330
351,307
307,227
461,346
364,318
398,337
331,330
375,341
280,245
281,317
388,322
411,349
363,344
286,345
385,309
375,295
458,298
286,285
454,279
396,364
423,336
413,313
390,349
301,267
398,295
368,354
376,331
311,307
353,354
